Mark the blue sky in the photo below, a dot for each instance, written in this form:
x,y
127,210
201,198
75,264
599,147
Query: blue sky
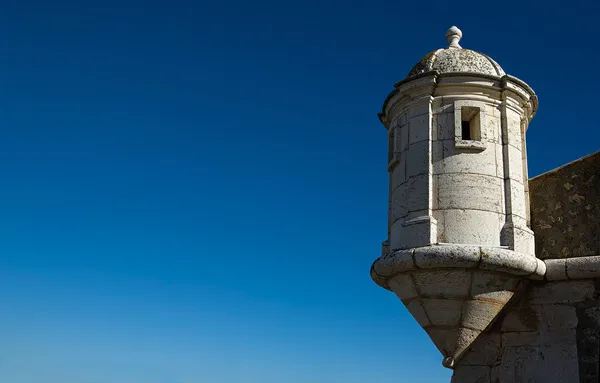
x,y
195,191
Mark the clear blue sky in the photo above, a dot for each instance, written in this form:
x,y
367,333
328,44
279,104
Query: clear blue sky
x,y
195,191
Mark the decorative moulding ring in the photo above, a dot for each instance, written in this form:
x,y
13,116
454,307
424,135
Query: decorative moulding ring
x,y
496,259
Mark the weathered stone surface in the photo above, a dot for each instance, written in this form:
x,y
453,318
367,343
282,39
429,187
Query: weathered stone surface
x,y
445,123
447,256
443,312
456,60
516,204
511,132
452,342
470,191
583,267
443,283
419,128
558,317
519,239
588,343
471,374
478,314
556,269
417,232
537,338
565,209
410,196
418,312
458,161
471,227
561,292
521,319
537,364
485,351
418,159
513,164
504,260
395,262
398,176
403,286
494,286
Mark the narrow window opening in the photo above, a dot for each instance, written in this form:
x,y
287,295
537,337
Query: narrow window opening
x,y
470,123
466,130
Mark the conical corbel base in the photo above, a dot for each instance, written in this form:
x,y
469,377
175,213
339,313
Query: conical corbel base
x,y
454,292
454,305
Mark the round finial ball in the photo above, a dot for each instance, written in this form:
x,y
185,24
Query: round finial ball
x,y
448,362
453,35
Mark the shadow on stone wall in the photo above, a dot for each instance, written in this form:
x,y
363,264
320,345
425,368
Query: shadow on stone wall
x,y
565,209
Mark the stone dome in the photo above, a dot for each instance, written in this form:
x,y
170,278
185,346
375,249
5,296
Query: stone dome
x,y
456,59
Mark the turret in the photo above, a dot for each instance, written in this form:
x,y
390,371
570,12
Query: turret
x,y
459,243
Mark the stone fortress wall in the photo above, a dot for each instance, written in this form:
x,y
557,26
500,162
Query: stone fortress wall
x,y
551,331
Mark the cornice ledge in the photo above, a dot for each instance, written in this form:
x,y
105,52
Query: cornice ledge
x,y
562,269
487,258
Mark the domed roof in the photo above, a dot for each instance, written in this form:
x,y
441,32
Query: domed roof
x,y
456,59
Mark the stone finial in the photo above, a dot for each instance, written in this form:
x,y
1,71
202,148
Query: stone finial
x,y
453,35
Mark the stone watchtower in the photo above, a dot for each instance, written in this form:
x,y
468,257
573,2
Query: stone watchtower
x,y
459,240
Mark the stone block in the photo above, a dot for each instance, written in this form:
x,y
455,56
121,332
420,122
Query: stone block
x,y
478,314
419,129
516,204
556,363
403,136
522,319
416,310
403,286
474,162
519,239
485,351
561,292
445,126
498,148
452,342
437,157
398,176
493,128
471,374
471,227
556,269
399,201
539,338
438,215
521,338
507,261
417,192
558,317
511,129
583,267
397,261
518,365
513,163
418,232
443,283
447,256
470,191
443,312
419,110
493,286
418,159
